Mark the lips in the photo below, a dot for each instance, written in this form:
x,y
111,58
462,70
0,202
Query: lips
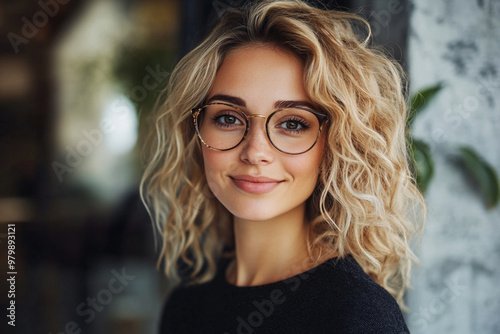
x,y
255,184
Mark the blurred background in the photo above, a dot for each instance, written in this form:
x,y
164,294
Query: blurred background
x,y
78,80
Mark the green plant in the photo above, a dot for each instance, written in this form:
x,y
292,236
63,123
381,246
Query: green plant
x,y
474,166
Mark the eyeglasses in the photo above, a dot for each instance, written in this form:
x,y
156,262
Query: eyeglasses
x,y
223,126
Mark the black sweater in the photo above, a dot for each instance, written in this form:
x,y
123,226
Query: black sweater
x,y
335,297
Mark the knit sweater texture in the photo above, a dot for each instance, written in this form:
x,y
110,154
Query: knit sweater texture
x,y
336,296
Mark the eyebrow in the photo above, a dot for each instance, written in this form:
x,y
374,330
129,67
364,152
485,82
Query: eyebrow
x,y
278,104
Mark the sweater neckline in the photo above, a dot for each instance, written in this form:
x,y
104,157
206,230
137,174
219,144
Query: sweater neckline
x,y
221,276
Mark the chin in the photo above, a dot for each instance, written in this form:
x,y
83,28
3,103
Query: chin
x,y
251,214
254,216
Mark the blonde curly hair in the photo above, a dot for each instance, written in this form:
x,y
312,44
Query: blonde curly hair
x,y
365,204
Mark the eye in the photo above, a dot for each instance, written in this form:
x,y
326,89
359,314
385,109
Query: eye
x,y
294,125
227,119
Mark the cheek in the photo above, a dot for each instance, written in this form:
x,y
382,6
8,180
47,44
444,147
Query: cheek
x,y
305,170
215,164
308,166
318,155
209,163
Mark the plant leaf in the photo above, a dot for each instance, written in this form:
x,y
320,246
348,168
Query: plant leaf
x,y
420,100
422,163
483,175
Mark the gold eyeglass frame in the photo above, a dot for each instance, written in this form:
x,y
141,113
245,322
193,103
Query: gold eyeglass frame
x,y
323,118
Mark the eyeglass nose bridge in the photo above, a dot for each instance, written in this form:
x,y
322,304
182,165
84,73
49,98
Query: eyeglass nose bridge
x,y
256,115
266,118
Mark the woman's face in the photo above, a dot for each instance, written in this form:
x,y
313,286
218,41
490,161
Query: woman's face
x,y
260,76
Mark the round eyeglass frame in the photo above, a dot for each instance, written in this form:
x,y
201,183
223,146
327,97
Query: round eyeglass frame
x,y
322,118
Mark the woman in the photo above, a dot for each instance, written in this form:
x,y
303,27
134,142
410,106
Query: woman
x,y
280,178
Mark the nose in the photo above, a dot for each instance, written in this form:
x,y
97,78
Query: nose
x,y
256,148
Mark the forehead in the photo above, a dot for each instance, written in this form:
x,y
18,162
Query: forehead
x,y
260,75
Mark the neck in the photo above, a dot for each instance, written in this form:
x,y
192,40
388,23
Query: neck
x,y
269,251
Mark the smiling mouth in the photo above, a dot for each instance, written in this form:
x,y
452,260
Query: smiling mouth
x,y
255,185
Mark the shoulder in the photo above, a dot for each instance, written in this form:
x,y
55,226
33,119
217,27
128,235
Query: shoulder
x,y
350,280
188,299
170,310
361,305
180,302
